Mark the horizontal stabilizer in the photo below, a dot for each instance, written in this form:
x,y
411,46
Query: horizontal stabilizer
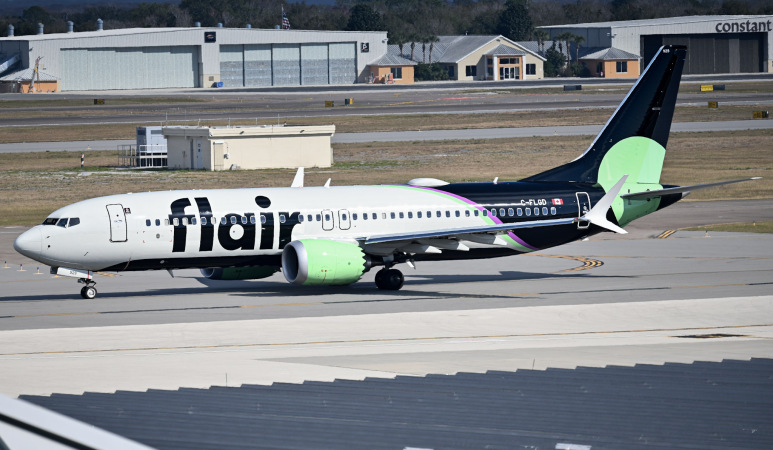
x,y
680,189
598,214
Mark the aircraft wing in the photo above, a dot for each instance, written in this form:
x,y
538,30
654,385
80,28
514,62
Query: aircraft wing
x,y
596,216
455,232
679,189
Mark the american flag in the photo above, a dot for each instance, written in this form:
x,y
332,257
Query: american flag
x,y
285,20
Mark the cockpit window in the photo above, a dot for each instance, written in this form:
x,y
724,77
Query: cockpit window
x,y
74,221
50,221
62,223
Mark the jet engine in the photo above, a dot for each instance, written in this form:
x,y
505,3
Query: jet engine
x,y
239,273
320,261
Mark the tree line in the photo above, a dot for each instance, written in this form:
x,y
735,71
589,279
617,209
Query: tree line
x,y
404,20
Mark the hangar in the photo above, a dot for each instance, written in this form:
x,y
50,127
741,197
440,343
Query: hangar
x,y
142,58
718,44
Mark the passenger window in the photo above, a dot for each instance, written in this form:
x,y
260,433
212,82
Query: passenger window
x,y
429,214
158,222
485,212
520,212
176,221
457,213
244,220
438,214
466,213
282,218
402,215
536,211
392,215
448,213
262,219
343,217
309,218
544,210
224,221
383,216
510,212
528,211
354,216
502,212
374,216
476,212
493,212
233,220
327,217
185,221
410,215
252,219
319,218
553,210
418,214
203,220
62,223
74,221
193,221
300,218
365,216
166,222
147,223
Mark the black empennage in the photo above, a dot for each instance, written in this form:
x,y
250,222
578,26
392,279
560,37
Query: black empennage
x,y
646,111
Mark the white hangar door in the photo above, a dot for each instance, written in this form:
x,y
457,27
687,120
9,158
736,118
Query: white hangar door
x,y
287,64
314,64
129,68
343,63
232,65
257,65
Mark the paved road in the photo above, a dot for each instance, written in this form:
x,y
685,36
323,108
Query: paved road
x,y
431,135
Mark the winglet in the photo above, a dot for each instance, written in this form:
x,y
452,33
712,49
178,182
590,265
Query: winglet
x,y
598,214
298,180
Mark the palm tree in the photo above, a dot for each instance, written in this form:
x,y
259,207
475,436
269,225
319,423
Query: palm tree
x,y
432,39
577,41
541,36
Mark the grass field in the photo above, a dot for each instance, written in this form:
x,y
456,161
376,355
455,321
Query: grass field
x,y
35,184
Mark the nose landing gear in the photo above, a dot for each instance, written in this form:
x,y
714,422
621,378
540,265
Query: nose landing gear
x,y
88,292
389,279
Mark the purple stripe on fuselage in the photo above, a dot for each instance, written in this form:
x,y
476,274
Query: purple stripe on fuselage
x,y
480,208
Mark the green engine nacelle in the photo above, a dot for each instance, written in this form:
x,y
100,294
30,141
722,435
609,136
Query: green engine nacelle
x,y
319,261
239,273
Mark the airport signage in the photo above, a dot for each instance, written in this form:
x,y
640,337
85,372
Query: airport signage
x,y
743,27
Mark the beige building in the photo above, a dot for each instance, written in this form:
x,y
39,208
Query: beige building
x,y
468,58
261,147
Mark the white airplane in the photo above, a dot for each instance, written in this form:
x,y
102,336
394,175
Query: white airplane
x,y
333,235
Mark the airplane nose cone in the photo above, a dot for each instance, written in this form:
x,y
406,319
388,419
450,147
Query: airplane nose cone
x,y
29,243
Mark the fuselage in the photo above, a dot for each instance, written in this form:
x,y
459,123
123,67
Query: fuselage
x,y
250,227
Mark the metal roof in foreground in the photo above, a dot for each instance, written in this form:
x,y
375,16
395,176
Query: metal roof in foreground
x,y
704,405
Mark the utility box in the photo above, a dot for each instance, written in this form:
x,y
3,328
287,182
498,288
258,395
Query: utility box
x,y
151,147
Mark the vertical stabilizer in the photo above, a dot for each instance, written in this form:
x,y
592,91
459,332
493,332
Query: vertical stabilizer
x,y
645,114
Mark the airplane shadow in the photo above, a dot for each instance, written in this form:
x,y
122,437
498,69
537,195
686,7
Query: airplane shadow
x,y
257,288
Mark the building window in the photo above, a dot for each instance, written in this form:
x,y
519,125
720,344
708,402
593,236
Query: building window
x,y
622,66
451,72
531,69
397,72
471,71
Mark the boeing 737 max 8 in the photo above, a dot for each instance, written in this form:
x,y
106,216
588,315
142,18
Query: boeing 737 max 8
x,y
333,235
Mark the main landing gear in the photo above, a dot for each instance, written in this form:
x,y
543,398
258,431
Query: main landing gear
x,y
389,279
88,292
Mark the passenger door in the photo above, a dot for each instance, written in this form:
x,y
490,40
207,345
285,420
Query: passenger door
x,y
117,216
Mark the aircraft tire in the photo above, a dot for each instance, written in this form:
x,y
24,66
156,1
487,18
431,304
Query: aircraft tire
x,y
389,279
89,292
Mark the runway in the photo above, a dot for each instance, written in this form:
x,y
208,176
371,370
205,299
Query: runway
x,y
610,300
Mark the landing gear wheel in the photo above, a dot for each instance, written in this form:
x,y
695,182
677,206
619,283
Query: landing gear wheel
x,y
389,279
89,292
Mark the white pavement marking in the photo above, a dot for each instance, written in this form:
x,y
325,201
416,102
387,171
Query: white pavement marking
x,y
169,356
